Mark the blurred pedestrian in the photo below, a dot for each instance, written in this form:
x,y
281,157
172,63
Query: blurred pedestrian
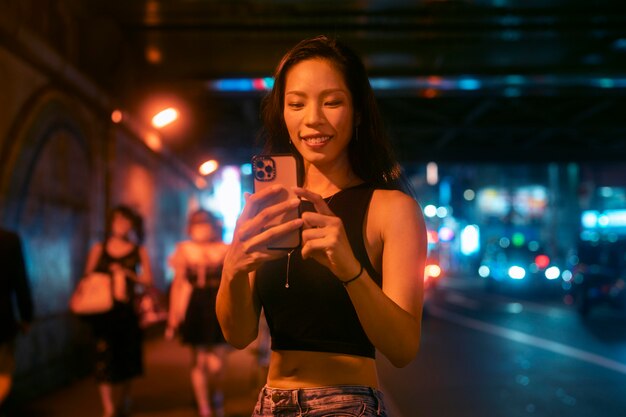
x,y
355,285
197,263
119,355
15,296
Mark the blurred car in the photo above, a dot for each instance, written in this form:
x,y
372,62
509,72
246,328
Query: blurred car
x,y
599,278
433,273
523,268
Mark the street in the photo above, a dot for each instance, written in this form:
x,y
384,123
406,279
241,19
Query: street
x,y
491,355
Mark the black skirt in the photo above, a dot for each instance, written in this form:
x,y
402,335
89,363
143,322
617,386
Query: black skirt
x,y
119,340
200,327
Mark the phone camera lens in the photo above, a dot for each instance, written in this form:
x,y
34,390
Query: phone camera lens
x,y
269,169
260,175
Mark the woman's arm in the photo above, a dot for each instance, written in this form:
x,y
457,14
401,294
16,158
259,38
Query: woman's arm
x,y
145,276
391,317
93,257
175,312
237,306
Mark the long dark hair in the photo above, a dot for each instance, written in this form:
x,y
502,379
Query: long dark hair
x,y
129,213
369,150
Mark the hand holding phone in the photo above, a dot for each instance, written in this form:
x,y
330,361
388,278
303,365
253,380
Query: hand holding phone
x,y
272,169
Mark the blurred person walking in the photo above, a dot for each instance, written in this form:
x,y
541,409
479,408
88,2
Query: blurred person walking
x,y
197,264
355,284
15,296
118,336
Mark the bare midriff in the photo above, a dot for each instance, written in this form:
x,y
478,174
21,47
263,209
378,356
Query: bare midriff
x,y
301,369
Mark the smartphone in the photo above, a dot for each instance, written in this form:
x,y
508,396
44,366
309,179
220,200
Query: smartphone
x,y
272,169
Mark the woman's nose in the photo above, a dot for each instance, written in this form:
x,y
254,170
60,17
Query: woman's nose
x,y
313,116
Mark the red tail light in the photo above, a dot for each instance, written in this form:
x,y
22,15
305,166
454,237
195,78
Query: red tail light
x,y
542,261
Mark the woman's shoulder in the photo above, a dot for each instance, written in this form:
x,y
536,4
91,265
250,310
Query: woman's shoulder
x,y
184,244
217,249
223,245
98,247
185,247
178,256
390,207
223,248
141,250
391,200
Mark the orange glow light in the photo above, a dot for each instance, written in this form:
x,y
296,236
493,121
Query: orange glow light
x,y
208,167
153,141
116,116
201,183
153,55
165,117
432,270
430,93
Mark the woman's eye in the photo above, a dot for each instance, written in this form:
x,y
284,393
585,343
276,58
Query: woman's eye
x,y
333,103
295,105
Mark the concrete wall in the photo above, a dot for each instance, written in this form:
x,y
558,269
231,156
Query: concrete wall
x,y
62,164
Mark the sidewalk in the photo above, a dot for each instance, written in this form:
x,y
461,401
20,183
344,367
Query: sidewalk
x,y
164,390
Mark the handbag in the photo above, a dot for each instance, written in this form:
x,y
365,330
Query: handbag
x,y
93,295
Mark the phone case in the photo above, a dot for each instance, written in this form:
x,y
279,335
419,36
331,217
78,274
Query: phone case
x,y
268,170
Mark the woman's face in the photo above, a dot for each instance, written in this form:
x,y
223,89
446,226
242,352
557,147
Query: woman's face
x,y
121,226
318,111
202,232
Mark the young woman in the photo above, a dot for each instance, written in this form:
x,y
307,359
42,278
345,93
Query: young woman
x,y
119,356
198,266
355,283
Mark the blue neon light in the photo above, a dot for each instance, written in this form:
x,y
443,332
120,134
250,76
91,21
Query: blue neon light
x,y
604,82
469,84
511,85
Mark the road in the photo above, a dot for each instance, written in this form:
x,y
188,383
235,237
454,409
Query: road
x,y
491,355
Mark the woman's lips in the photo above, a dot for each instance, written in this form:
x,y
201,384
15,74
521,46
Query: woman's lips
x,y
315,141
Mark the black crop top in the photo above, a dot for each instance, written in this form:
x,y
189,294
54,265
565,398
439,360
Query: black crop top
x,y
315,313
129,261
212,276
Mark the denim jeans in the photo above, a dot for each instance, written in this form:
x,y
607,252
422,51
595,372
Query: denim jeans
x,y
339,401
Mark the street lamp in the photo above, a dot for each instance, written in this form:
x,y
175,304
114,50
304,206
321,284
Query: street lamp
x,y
164,117
208,167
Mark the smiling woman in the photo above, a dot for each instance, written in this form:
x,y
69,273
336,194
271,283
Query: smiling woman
x,y
356,281
318,114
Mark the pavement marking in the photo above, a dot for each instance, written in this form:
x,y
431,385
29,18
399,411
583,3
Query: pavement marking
x,y
459,299
528,339
507,304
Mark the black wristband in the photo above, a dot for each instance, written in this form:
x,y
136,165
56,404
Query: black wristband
x,y
346,282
